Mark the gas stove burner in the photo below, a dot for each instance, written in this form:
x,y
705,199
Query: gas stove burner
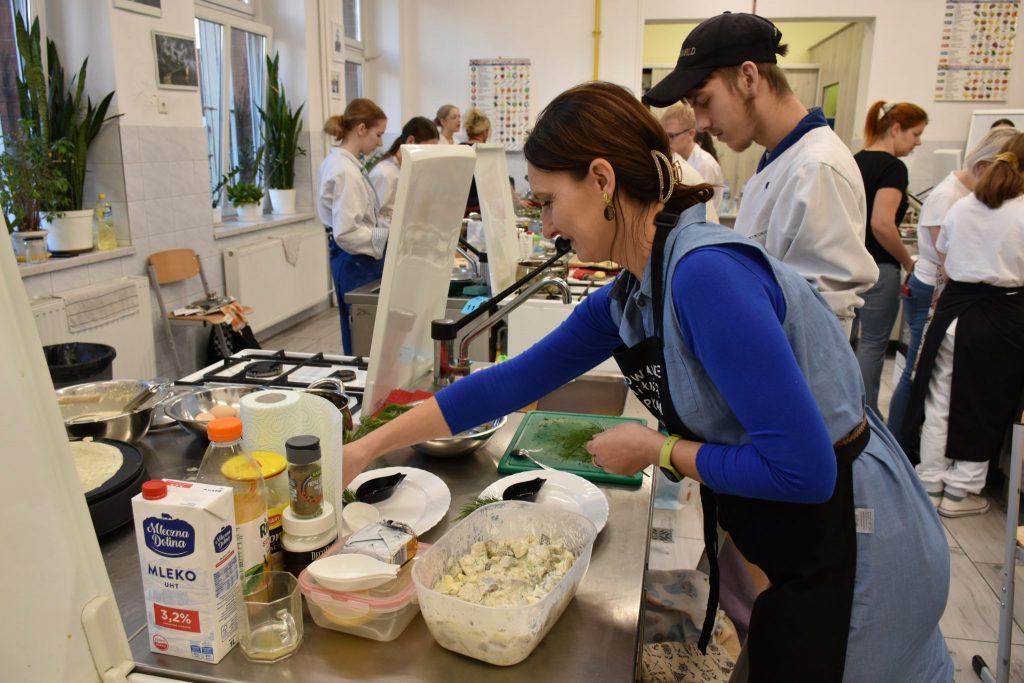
x,y
263,369
344,375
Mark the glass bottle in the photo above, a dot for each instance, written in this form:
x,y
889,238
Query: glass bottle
x,y
226,463
106,238
272,466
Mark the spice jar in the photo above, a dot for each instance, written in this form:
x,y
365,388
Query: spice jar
x,y
305,490
304,540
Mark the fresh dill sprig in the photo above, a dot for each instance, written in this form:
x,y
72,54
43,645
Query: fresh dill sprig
x,y
475,504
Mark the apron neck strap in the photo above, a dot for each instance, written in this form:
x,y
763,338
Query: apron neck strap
x,y
664,222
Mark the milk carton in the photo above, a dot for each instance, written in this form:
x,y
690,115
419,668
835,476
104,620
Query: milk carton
x,y
189,561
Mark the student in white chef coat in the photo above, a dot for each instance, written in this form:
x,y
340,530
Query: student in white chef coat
x,y
418,130
448,122
680,125
347,205
806,202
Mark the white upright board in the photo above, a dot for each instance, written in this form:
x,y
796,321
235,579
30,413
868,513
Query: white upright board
x,y
425,226
498,215
982,120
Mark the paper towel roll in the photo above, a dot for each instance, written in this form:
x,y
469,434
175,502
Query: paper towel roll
x,y
323,420
269,418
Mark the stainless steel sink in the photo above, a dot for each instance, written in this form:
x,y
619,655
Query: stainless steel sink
x,y
591,394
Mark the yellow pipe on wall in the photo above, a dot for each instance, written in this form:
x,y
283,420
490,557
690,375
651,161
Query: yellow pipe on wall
x,y
597,36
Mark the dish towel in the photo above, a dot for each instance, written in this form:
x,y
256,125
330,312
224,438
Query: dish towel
x,y
99,304
292,244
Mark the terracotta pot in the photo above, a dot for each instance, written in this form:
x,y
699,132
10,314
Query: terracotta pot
x,y
282,201
70,232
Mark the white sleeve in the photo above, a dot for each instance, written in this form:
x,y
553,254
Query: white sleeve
x,y
354,217
818,230
942,244
385,185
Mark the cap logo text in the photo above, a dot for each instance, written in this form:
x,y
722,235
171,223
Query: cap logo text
x,y
689,51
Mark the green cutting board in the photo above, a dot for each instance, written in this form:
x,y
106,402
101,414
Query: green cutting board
x,y
544,433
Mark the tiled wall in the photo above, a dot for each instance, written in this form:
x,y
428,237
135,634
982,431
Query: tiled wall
x,y
158,179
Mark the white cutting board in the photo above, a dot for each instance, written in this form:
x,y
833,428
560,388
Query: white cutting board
x,y
432,190
498,215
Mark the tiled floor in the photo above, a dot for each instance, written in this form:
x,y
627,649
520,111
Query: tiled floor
x,y
971,620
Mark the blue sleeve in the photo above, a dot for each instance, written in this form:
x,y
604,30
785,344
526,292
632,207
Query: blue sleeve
x,y
729,308
586,338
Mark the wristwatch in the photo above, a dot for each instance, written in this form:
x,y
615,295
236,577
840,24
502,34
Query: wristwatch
x,y
665,461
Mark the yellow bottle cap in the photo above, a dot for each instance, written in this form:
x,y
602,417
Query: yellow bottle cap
x,y
102,195
240,468
272,464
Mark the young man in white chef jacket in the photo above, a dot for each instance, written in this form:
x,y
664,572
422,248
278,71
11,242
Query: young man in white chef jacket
x,y
806,202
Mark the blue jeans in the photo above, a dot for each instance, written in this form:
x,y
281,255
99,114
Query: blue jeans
x,y
876,318
350,271
915,310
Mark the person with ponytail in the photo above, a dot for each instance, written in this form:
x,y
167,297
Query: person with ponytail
x,y
384,176
448,122
776,432
970,376
347,205
891,131
478,129
927,278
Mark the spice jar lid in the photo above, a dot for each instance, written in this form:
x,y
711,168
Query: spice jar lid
x,y
297,526
303,449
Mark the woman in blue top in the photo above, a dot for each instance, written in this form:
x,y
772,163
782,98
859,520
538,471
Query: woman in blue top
x,y
756,389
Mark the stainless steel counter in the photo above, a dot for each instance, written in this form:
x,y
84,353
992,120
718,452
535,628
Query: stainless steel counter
x,y
597,638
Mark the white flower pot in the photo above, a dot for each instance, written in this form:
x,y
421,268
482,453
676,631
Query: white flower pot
x,y
282,201
21,250
250,213
70,232
218,215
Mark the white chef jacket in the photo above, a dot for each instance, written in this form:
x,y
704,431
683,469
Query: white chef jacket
x,y
705,164
983,244
692,177
933,212
347,204
807,208
384,178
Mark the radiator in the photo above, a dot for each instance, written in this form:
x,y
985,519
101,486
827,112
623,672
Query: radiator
x,y
259,275
131,336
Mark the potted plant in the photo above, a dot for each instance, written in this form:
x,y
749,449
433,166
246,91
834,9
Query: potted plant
x,y
281,129
217,196
56,113
245,196
29,181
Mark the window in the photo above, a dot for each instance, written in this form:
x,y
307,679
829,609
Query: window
x,y
245,6
10,65
355,50
232,84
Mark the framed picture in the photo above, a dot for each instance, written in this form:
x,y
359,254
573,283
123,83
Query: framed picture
x,y
337,42
176,64
150,7
335,83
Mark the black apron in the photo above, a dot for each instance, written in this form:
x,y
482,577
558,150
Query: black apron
x,y
799,626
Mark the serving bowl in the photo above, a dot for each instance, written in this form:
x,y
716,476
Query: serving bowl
x,y
186,408
463,443
96,409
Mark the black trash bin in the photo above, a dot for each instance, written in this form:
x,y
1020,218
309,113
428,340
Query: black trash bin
x,y
79,362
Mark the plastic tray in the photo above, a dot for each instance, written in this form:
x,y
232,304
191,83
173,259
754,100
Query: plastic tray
x,y
540,433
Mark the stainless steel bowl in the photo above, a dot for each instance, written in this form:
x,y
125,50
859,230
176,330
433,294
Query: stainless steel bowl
x,y
185,408
96,409
461,444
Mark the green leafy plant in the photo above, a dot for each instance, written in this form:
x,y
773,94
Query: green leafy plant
x,y
215,193
55,111
238,189
281,129
31,185
244,193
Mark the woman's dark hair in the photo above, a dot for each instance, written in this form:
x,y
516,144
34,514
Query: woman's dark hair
x,y
881,117
419,127
359,110
707,143
600,120
1003,123
1003,180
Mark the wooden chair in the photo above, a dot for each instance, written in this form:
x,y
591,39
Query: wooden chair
x,y
178,265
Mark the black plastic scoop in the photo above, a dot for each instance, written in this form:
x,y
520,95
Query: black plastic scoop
x,y
381,488
525,491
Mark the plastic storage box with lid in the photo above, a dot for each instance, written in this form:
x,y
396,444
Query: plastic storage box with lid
x,y
380,613
500,635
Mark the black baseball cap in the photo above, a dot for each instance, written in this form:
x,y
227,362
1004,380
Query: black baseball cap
x,y
726,40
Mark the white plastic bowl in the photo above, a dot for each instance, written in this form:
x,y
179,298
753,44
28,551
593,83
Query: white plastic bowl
x,y
352,572
502,636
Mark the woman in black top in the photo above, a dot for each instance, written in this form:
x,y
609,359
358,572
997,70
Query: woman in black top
x,y
890,131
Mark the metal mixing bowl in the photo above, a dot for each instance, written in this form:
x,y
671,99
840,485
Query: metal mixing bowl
x,y
461,444
186,407
96,409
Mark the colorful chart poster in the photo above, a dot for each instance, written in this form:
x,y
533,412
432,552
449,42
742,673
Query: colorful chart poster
x,y
500,88
976,50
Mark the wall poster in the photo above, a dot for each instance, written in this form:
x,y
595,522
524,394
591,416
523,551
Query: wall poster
x,y
976,50
500,88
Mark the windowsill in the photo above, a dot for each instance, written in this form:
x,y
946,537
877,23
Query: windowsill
x,y
54,263
232,226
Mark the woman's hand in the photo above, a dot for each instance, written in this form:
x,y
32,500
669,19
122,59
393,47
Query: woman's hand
x,y
626,448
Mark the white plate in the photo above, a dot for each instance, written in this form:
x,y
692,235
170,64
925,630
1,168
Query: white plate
x,y
421,500
562,489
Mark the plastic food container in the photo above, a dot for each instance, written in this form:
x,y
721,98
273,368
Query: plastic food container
x,y
502,636
380,613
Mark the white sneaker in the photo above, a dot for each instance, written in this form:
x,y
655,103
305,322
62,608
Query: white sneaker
x,y
935,497
955,506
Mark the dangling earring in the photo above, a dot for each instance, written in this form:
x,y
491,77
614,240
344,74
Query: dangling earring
x,y
609,209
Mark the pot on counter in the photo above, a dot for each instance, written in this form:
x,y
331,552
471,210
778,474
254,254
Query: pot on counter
x,y
96,409
333,389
